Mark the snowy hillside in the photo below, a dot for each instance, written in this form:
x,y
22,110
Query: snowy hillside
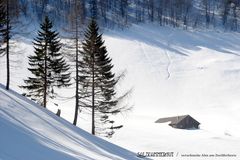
x,y
177,72
30,132
173,72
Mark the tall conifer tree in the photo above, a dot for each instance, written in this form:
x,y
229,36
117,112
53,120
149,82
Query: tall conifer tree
x,y
98,83
47,65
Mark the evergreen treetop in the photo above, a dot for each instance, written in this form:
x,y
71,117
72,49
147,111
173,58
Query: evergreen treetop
x,y
98,82
48,65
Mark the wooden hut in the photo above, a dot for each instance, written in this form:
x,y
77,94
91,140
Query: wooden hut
x,y
181,122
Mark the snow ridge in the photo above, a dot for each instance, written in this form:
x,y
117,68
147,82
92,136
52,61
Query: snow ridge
x,y
29,131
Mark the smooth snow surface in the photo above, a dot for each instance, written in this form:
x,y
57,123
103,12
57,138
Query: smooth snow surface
x,y
172,72
176,72
29,132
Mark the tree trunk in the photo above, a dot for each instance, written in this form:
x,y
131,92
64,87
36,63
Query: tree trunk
x,y
93,97
77,86
45,77
7,48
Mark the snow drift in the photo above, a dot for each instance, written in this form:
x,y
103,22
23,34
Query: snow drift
x,y
29,132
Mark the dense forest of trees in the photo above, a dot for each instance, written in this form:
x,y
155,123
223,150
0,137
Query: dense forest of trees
x,y
122,13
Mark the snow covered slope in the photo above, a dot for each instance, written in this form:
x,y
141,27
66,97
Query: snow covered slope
x,y
176,72
29,132
173,72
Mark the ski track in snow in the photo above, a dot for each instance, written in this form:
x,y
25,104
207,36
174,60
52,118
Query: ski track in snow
x,y
151,63
168,64
168,56
147,57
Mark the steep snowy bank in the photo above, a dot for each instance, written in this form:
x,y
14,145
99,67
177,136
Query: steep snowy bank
x,y
30,132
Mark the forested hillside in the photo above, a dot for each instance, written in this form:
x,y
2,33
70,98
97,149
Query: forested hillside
x,y
122,13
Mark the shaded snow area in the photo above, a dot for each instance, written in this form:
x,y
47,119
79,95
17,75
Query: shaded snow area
x,y
177,72
172,72
29,132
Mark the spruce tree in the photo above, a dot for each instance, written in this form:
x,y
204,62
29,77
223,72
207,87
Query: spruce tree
x,y
48,66
98,83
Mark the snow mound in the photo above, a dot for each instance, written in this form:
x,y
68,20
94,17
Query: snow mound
x,y
29,131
